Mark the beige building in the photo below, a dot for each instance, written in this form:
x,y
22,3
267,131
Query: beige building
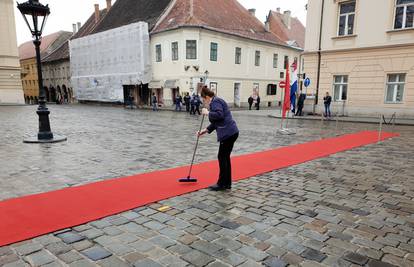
x,y
10,85
364,54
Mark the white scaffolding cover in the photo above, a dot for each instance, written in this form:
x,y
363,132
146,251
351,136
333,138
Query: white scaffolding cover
x,y
103,62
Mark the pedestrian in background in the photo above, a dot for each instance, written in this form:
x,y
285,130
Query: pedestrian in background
x,y
301,103
258,102
197,103
250,101
327,102
187,99
154,102
178,101
222,122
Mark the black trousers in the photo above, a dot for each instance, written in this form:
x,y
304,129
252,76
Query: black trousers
x,y
225,149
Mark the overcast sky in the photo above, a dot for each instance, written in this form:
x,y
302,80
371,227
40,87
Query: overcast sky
x,y
64,13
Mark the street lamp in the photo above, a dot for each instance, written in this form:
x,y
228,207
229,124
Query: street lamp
x,y
35,15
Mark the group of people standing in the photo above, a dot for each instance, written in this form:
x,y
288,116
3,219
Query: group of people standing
x,y
254,99
192,103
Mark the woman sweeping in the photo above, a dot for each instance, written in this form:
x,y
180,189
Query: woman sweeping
x,y
227,133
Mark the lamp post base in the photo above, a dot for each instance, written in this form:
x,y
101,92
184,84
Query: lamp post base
x,y
35,139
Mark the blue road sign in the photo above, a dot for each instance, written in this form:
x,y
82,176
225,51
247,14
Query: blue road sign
x,y
307,82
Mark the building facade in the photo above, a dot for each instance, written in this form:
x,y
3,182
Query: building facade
x,y
234,67
11,91
364,59
192,43
27,56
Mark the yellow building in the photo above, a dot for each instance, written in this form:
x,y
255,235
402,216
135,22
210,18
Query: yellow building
x,y
363,51
10,86
27,55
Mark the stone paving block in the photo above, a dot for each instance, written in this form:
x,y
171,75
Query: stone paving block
x,y
376,263
70,237
217,264
172,261
208,236
392,259
40,258
313,255
230,257
370,253
292,258
179,249
96,253
162,241
54,264
333,261
253,253
355,258
197,258
142,246
228,243
342,244
147,263
82,245
45,240
130,215
314,235
5,259
100,224
407,247
82,228
274,262
340,235
119,249
82,263
118,220
206,247
58,248
18,263
294,247
134,257
70,256
28,248
91,233
5,251
112,231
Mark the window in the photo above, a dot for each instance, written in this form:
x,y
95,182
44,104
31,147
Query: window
x,y
191,50
257,58
174,51
395,88
271,89
282,75
213,51
340,87
275,58
404,14
346,18
238,55
286,63
158,56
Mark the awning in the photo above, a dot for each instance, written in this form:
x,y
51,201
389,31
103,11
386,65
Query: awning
x,y
170,84
155,84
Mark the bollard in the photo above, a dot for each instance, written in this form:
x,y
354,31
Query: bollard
x,y
393,122
380,129
336,125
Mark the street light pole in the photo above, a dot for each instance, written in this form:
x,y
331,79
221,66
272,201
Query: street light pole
x,y
32,10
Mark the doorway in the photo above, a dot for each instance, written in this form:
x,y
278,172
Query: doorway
x,y
237,94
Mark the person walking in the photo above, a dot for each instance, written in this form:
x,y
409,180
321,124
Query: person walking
x,y
222,122
197,102
250,101
154,102
258,102
301,103
187,99
178,101
327,102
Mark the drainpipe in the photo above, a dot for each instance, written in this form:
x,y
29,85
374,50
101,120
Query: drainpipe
x,y
319,58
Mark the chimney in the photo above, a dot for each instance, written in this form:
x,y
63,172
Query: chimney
x,y
108,5
252,11
287,18
97,13
267,26
278,10
74,28
79,26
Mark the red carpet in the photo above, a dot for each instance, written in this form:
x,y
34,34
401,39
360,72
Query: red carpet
x,y
30,216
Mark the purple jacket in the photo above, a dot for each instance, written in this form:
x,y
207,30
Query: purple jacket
x,y
221,120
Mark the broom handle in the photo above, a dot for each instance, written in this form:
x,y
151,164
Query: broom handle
x,y
195,149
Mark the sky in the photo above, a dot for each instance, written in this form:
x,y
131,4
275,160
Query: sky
x,y
65,13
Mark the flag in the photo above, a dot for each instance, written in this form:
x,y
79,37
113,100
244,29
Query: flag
x,y
286,102
293,86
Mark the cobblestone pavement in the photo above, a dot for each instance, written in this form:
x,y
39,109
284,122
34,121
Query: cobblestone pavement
x,y
351,209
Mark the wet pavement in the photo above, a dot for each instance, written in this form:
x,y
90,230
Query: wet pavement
x,y
351,209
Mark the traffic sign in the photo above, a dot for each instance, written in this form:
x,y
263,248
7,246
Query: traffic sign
x,y
282,84
307,82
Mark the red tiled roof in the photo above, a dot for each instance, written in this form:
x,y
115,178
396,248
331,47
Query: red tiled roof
x,y
27,49
227,16
90,24
278,27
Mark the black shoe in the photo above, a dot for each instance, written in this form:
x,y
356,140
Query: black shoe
x,y
217,188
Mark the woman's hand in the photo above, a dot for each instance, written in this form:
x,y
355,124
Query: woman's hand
x,y
202,132
205,111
